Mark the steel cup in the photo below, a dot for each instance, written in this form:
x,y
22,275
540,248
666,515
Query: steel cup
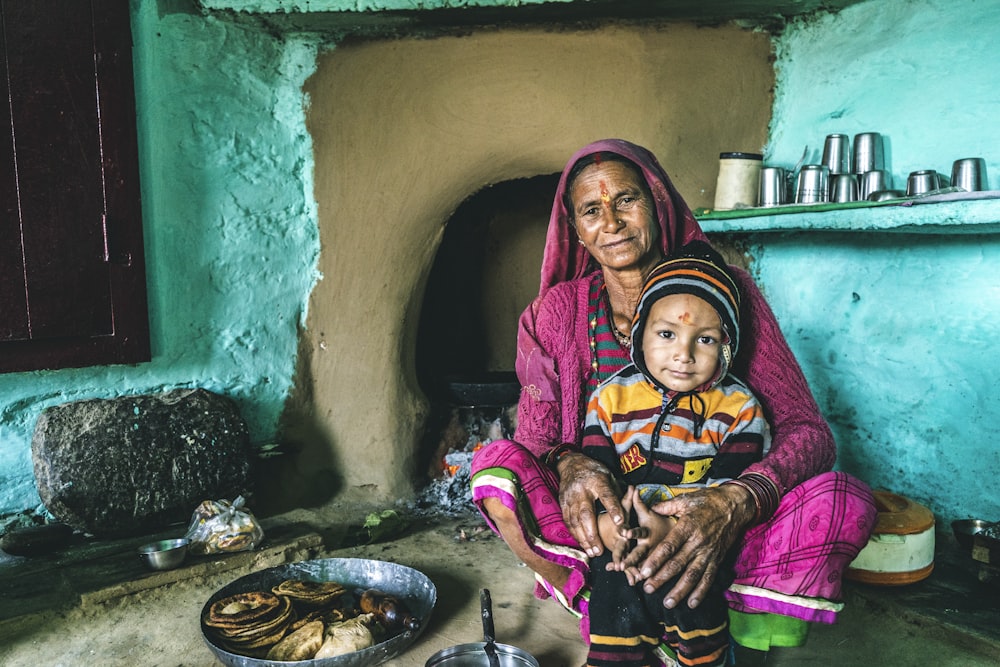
x,y
837,154
969,174
844,188
813,184
873,181
868,152
773,187
921,182
886,195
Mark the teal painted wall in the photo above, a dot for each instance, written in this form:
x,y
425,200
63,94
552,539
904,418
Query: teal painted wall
x,y
277,6
229,223
894,329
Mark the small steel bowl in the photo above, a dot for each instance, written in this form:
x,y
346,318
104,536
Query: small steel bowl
x,y
165,554
966,529
886,195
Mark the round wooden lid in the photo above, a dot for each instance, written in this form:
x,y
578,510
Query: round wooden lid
x,y
900,516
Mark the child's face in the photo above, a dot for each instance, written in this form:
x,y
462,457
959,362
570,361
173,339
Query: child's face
x,y
681,341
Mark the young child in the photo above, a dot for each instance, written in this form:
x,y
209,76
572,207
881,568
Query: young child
x,y
671,422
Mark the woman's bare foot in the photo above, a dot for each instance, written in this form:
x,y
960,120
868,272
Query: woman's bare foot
x,y
510,530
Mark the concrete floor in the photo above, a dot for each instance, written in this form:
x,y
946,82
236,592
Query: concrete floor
x,y
124,616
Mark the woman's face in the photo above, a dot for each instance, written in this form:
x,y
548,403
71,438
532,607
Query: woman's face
x,y
614,215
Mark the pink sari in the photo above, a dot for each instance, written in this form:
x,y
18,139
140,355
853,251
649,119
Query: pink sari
x,y
790,565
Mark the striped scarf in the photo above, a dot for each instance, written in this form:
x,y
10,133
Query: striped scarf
x,y
607,356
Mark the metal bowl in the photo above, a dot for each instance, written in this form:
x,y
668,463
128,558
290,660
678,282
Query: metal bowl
x,y
886,195
165,554
412,587
966,529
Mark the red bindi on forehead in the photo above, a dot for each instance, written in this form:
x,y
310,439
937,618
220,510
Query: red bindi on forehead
x,y
605,197
685,317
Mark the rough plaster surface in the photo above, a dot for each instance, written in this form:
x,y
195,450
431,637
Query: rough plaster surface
x,y
221,132
404,130
891,328
894,355
921,73
229,222
357,5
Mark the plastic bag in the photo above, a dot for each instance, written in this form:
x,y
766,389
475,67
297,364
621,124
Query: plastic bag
x,y
218,526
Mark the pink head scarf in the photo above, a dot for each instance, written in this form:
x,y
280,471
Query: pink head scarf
x,y
565,259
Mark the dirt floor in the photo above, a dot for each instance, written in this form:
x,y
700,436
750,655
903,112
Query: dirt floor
x,y
100,607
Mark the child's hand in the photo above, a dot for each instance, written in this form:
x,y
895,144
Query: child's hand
x,y
615,538
653,528
620,543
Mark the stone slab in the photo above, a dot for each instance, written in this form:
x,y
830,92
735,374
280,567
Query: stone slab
x,y
135,464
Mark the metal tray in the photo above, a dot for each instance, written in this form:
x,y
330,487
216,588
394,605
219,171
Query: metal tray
x,y
409,585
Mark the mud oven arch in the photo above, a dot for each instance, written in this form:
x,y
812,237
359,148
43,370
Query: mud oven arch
x,y
406,130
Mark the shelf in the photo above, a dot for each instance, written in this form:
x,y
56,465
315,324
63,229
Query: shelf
x,y
951,213
691,10
339,19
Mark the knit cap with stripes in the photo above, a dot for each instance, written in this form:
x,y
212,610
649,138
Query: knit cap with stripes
x,y
699,270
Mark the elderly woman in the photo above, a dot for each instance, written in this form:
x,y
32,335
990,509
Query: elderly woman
x,y
789,524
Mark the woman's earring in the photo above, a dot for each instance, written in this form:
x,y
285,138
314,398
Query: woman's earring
x,y
580,241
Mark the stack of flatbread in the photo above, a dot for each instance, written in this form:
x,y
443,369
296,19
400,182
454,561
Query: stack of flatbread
x,y
248,623
295,620
310,594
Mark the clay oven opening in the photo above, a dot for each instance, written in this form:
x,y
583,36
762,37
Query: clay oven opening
x,y
484,274
433,177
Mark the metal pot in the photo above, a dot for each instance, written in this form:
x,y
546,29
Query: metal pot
x,y
491,389
486,653
474,655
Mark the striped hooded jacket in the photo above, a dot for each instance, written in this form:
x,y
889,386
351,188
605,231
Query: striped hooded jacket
x,y
656,437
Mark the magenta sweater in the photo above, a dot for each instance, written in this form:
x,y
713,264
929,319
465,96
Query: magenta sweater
x,y
553,365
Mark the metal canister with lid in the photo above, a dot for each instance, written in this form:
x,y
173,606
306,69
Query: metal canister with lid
x,y
738,184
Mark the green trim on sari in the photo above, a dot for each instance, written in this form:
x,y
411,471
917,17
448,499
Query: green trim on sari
x,y
762,631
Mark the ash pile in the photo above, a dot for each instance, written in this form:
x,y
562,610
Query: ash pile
x,y
468,430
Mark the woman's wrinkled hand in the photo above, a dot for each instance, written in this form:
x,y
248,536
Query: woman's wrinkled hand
x,y
582,483
709,522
